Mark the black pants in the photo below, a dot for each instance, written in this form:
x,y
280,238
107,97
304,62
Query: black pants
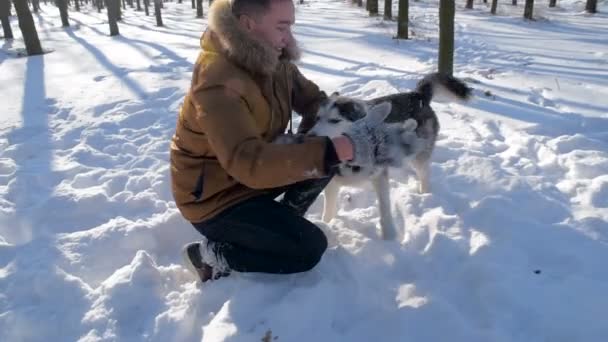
x,y
263,235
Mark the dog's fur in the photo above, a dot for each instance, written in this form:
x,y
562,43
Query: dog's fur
x,y
339,112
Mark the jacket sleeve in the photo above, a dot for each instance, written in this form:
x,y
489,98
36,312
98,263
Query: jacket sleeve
x,y
232,133
305,99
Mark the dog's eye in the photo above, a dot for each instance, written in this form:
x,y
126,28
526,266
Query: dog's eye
x,y
333,121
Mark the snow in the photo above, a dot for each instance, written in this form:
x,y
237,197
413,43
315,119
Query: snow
x,y
510,245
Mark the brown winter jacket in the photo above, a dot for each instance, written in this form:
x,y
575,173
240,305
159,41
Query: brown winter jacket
x,y
238,103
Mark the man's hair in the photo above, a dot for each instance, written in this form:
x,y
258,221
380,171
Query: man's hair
x,y
250,7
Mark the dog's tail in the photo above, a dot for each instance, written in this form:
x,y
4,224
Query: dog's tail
x,y
433,83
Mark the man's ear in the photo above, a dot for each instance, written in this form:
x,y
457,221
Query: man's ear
x,y
246,22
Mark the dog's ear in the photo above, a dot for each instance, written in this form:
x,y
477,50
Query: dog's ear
x,y
379,112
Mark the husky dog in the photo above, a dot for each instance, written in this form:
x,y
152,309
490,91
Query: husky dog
x,y
410,110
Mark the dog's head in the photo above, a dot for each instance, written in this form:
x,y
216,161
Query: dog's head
x,y
337,113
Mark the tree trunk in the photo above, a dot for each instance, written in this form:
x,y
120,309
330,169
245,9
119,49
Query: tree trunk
x,y
124,4
36,5
552,3
447,9
388,9
5,6
359,3
63,11
403,19
77,5
514,3
28,28
139,5
193,4
159,18
118,11
113,6
469,4
494,6
373,7
147,7
528,9
199,8
591,6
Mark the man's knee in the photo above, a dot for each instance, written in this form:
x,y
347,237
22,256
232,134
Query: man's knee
x,y
317,245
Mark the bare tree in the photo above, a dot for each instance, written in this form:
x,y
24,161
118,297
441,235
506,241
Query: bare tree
x,y
469,4
591,6
529,9
514,3
146,7
63,11
494,6
372,7
5,6
28,28
403,19
113,7
388,9
77,5
199,8
36,5
552,3
159,17
447,10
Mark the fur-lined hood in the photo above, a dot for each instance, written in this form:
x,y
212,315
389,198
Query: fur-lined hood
x,y
242,48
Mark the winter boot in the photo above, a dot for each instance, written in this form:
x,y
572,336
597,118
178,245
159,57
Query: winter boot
x,y
202,259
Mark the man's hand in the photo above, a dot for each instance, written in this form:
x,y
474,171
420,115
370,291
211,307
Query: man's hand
x,y
373,140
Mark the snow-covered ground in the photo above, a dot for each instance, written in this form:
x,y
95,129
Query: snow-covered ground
x,y
511,245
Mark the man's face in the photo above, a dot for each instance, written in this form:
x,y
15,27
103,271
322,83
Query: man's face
x,y
274,26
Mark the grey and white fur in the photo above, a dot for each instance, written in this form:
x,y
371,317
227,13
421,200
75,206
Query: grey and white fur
x,y
412,132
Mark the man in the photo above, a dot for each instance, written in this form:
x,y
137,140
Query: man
x,y
226,169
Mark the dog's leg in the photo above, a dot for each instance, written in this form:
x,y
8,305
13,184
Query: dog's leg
x,y
422,168
330,207
384,205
